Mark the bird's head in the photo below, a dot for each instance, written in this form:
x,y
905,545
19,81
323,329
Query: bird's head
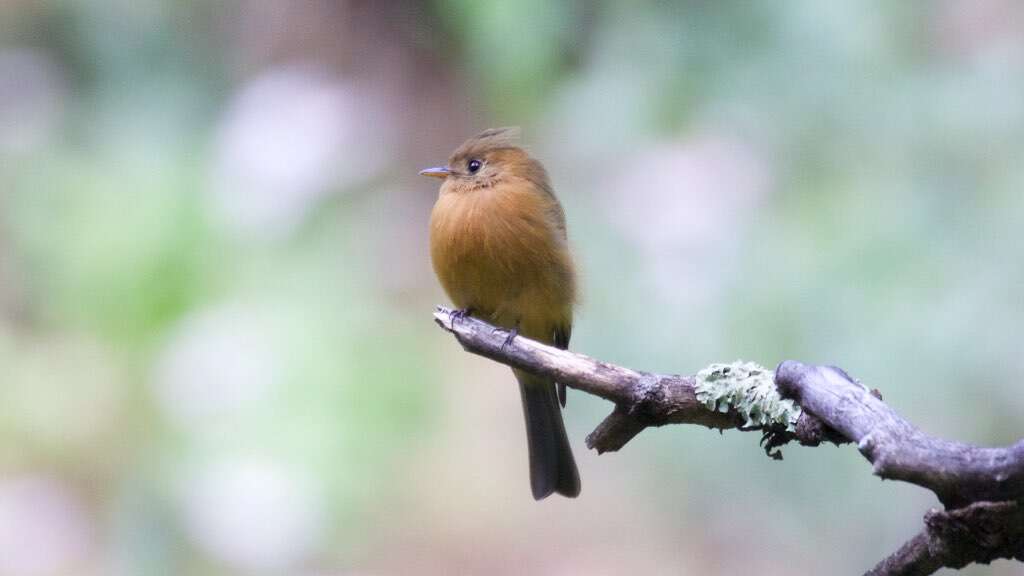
x,y
489,158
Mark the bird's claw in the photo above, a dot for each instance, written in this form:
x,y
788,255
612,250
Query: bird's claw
x,y
460,314
510,336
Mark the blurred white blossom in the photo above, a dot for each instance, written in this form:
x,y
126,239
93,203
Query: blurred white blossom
x,y
973,27
215,361
254,515
44,529
287,137
684,204
32,94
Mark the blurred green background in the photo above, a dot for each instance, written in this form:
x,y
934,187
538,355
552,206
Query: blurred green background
x,y
216,350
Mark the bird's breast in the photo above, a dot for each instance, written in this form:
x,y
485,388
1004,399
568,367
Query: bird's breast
x,y
498,251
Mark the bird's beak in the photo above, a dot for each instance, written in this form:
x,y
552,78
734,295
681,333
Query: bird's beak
x,y
436,172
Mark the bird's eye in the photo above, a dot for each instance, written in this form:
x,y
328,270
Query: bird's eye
x,y
474,165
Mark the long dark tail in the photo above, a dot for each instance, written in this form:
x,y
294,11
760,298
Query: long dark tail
x,y
552,467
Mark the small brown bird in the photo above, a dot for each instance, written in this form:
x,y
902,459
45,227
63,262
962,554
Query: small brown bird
x,y
498,244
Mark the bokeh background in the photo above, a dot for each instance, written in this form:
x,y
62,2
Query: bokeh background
x,y
216,348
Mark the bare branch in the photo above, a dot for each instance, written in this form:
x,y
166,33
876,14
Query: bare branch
x,y
915,558
981,487
642,399
958,473
980,532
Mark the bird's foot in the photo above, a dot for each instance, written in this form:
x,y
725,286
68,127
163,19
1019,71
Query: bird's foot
x,y
460,314
510,335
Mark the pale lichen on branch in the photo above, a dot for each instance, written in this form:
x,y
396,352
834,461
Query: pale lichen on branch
x,y
750,390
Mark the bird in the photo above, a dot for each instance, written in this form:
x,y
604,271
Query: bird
x,y
499,248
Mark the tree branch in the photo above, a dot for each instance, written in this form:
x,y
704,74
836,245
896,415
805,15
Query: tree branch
x,y
981,487
958,473
642,399
980,532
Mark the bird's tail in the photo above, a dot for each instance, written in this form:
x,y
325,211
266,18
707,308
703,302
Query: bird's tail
x,y
552,467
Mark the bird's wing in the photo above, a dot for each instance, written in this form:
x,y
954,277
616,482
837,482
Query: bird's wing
x,y
562,335
558,218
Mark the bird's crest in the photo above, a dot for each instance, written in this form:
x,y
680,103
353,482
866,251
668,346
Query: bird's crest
x,y
490,139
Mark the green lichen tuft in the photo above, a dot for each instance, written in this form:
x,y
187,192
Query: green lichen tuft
x,y
748,389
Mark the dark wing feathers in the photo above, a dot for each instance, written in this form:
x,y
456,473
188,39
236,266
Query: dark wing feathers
x,y
562,335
